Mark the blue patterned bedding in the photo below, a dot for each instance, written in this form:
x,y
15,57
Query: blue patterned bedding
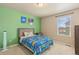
x,y
37,43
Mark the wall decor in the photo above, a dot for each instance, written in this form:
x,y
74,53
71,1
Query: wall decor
x,y
23,19
30,20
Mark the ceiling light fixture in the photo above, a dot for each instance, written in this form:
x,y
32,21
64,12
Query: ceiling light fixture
x,y
39,4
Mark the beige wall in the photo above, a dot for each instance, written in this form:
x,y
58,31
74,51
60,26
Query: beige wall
x,y
49,28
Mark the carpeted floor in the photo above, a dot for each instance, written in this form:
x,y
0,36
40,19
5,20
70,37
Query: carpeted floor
x,y
56,49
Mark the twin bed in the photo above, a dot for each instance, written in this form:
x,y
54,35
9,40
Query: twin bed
x,y
35,43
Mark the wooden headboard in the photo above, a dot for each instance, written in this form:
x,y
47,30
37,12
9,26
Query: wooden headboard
x,y
20,30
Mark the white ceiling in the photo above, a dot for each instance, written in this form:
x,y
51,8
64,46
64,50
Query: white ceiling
x,y
49,9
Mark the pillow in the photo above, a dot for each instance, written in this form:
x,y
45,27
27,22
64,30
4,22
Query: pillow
x,y
31,33
28,34
22,34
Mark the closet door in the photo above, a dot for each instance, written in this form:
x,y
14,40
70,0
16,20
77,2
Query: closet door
x,y
77,39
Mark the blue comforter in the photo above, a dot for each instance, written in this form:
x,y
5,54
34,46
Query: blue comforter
x,y
37,43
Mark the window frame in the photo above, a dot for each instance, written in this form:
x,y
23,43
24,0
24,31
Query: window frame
x,y
69,27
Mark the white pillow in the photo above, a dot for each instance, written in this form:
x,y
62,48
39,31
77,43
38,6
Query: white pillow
x,y
28,34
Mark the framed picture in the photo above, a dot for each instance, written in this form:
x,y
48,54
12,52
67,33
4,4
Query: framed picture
x,y
23,19
31,20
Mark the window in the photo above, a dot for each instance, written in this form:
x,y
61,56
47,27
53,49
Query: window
x,y
63,25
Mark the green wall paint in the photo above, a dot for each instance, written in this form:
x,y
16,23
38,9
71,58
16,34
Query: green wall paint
x,y
10,21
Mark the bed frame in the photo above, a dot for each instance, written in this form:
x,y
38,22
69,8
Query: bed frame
x,y
19,35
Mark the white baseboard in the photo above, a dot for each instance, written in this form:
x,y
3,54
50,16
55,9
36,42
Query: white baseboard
x,y
1,49
4,50
13,45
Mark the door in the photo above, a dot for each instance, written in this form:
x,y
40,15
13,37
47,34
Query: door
x,y
77,39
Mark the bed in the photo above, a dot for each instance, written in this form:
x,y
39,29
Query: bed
x,y
35,43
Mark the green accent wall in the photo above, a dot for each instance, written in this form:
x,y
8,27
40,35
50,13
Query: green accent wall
x,y
10,20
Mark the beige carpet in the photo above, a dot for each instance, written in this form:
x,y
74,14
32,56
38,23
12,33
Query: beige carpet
x,y
56,49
